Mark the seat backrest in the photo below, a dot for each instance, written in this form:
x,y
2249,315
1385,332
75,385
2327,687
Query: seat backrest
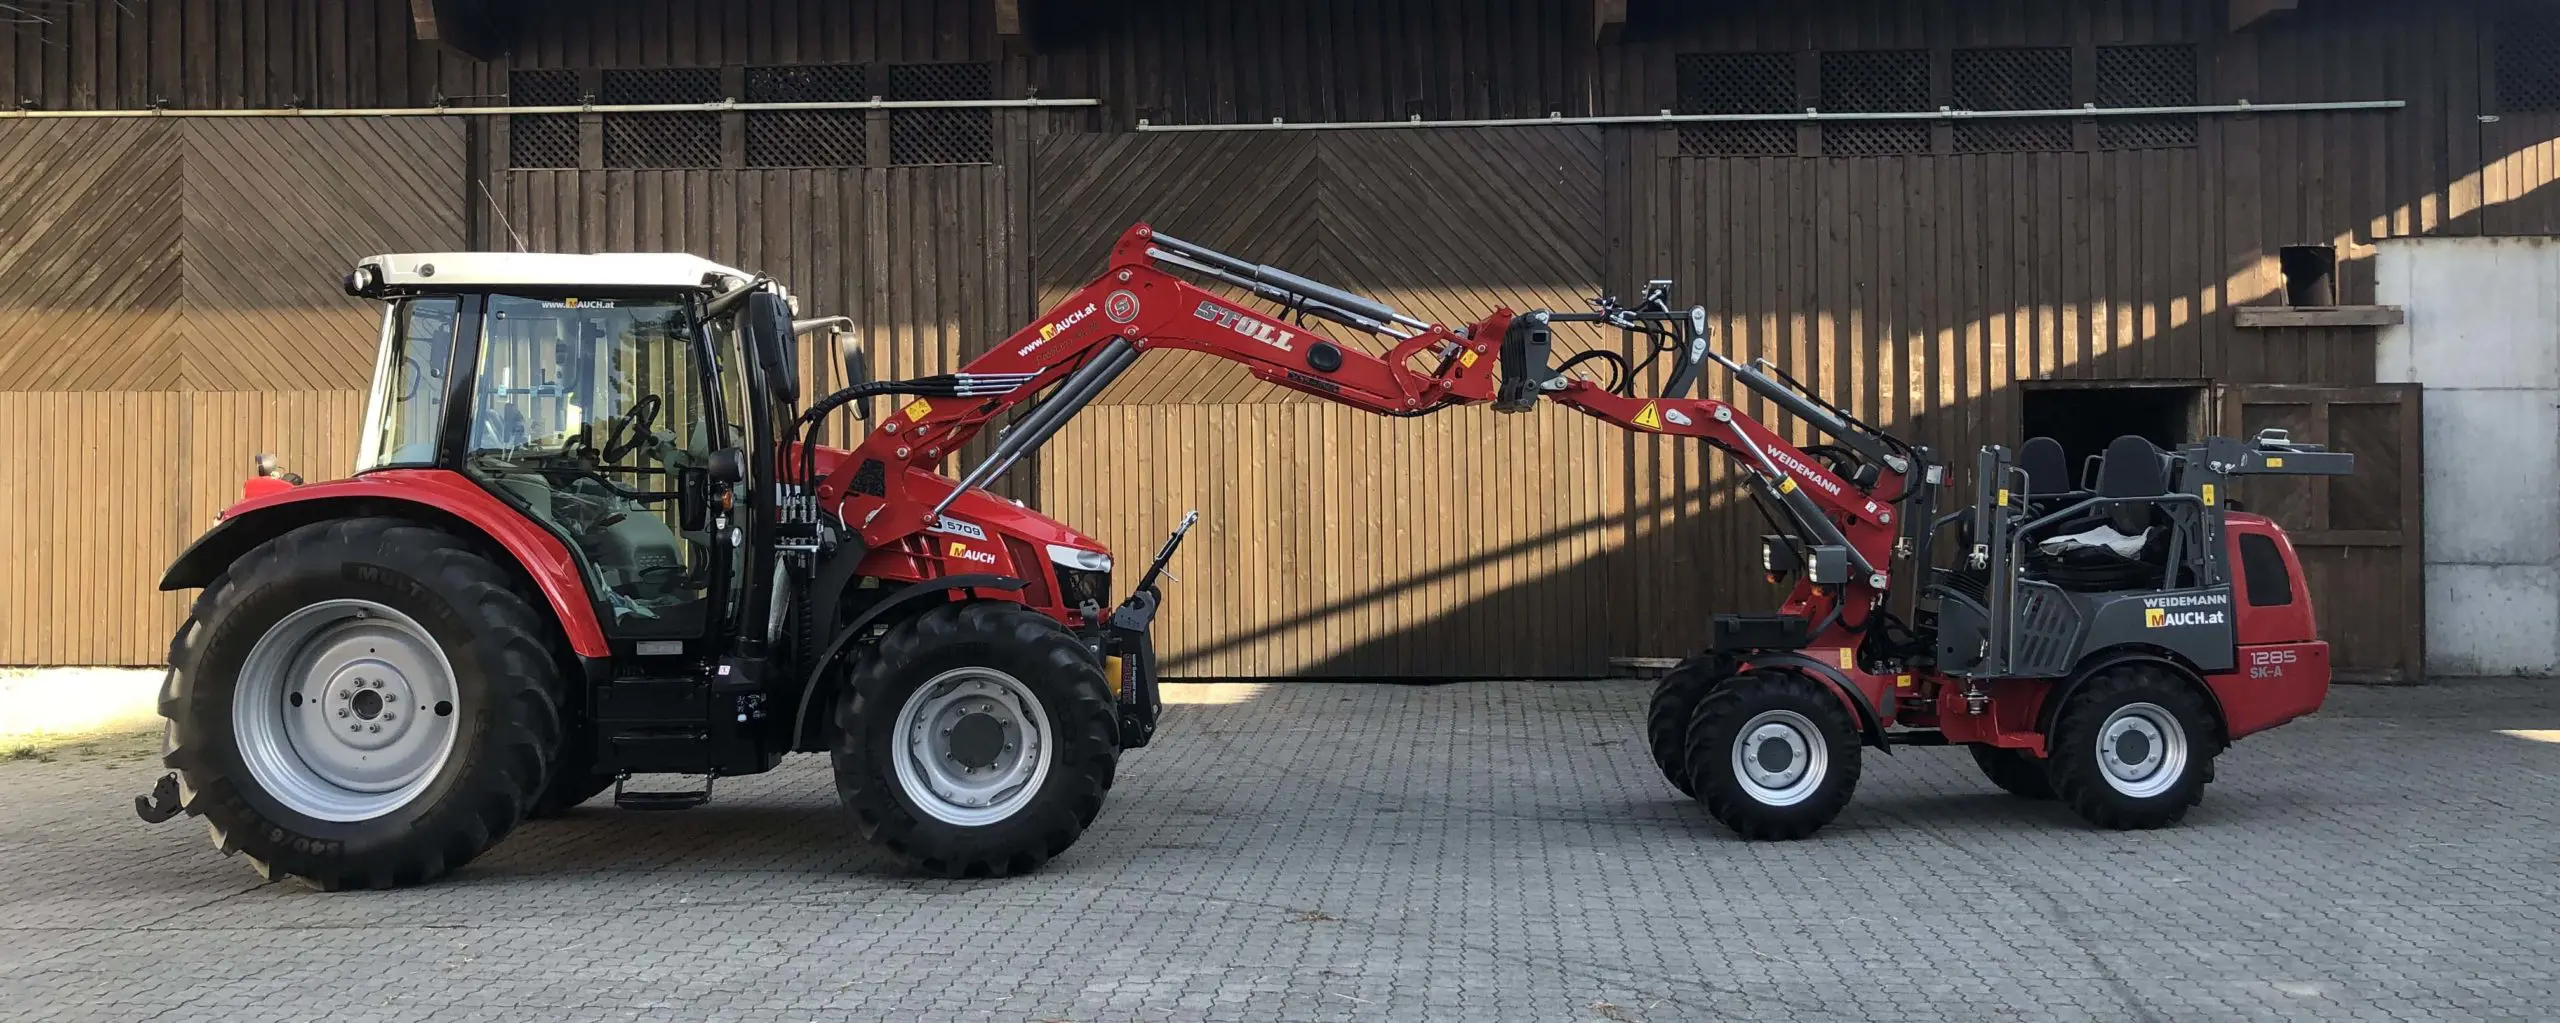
x,y
2132,468
2048,469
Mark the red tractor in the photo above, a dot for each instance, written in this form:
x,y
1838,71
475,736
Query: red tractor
x,y
590,538
2095,637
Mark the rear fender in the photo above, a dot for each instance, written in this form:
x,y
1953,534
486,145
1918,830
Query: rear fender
x,y
436,497
2062,692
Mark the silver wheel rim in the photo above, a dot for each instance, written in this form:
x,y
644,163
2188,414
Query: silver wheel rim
x,y
345,710
2142,750
971,746
1780,757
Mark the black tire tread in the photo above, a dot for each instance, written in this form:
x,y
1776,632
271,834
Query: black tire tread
x,y
2071,748
1088,726
1726,709
1666,719
492,798
2015,771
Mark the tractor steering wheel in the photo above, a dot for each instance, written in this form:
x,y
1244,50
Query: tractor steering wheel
x,y
636,423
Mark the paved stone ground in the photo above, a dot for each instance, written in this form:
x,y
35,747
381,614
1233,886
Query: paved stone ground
x,y
1336,852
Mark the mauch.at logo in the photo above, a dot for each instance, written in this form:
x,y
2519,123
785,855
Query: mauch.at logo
x,y
1245,325
965,552
1050,330
2162,618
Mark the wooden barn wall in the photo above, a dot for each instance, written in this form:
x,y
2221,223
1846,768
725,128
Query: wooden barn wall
x,y
169,306
1923,290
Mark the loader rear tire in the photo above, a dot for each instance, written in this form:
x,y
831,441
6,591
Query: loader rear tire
x,y
2133,748
369,623
978,741
2015,771
1666,719
1773,755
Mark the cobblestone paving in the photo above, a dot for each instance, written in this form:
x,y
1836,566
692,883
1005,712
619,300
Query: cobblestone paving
x,y
1341,852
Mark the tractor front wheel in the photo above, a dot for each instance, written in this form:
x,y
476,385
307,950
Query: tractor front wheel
x,y
978,741
2132,749
364,703
1774,755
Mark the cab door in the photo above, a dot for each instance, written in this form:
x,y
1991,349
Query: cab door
x,y
598,416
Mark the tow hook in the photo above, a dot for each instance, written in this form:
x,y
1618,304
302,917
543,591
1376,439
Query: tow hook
x,y
162,803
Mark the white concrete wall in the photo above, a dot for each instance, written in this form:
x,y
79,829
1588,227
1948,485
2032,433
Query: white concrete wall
x,y
2483,337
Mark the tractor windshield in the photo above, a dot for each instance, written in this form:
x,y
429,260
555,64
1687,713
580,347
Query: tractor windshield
x,y
588,413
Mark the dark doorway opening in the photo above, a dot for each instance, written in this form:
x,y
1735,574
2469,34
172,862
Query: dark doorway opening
x,y
2084,418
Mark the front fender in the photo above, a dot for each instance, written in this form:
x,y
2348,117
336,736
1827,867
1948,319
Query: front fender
x,y
438,497
1870,726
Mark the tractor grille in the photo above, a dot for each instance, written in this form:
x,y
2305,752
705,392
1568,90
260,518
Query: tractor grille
x,y
2048,630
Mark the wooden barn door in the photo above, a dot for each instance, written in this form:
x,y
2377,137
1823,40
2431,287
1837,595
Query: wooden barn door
x,y
2358,536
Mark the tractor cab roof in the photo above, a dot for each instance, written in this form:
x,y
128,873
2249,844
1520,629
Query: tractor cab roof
x,y
471,271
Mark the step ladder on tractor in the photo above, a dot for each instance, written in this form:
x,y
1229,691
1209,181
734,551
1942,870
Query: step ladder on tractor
x,y
592,535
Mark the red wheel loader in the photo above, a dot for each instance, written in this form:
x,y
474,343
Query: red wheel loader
x,y
591,537
2096,638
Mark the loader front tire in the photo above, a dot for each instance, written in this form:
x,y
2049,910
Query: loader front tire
x,y
1773,755
978,741
362,703
1666,719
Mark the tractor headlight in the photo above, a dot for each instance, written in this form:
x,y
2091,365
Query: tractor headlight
x,y
1084,577
1079,559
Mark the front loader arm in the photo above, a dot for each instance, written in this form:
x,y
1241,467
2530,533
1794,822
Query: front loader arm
x,y
1083,343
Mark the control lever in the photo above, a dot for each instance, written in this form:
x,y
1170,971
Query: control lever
x,y
1165,554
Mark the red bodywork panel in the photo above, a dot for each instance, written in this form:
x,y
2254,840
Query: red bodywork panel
x,y
2282,671
549,562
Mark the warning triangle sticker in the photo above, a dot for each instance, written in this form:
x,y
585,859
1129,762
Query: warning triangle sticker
x,y
1649,417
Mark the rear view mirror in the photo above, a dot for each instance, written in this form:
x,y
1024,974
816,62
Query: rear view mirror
x,y
765,323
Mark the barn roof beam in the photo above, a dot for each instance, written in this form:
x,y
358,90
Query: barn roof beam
x,y
1608,21
2245,13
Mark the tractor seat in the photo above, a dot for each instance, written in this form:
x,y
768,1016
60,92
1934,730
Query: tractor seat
x,y
2120,547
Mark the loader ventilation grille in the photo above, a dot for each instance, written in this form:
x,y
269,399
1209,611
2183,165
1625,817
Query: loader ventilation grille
x,y
941,136
662,139
2014,78
1875,82
1737,83
2048,630
807,138
542,140
2146,76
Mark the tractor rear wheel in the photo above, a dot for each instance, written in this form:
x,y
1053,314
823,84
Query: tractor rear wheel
x,y
978,741
365,703
1774,755
1666,719
2132,749
2016,771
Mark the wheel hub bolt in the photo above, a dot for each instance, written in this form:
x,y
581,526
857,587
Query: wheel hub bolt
x,y
342,712
375,728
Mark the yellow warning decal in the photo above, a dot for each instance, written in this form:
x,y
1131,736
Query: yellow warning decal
x,y
918,409
1848,658
1649,417
1902,681
2275,463
1467,359
2208,496
1111,674
2004,498
1786,485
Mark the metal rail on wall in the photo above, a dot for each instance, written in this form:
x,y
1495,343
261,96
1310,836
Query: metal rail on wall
x,y
1805,116
722,106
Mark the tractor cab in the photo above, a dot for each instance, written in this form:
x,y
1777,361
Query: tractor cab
x,y
614,400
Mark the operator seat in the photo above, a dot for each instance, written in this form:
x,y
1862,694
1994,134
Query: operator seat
x,y
2048,472
2119,547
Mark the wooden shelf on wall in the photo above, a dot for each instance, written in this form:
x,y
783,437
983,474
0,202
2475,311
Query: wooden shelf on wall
x,y
2257,316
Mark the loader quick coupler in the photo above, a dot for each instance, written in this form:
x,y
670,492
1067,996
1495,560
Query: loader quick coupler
x,y
162,803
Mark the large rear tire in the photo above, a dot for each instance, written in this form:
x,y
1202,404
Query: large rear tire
x,y
978,741
2133,749
1773,755
364,703
1675,700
